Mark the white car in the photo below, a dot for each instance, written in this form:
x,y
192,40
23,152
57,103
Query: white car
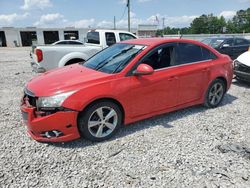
x,y
52,56
68,42
242,67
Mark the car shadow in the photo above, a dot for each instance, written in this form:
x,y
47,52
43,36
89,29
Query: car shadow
x,y
241,83
163,120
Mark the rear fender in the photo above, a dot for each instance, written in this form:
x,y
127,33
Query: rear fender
x,y
70,56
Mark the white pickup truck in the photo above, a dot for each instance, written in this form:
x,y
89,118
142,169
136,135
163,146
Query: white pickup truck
x,y
52,56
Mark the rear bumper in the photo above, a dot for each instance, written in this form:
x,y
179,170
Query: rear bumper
x,y
242,75
37,67
65,122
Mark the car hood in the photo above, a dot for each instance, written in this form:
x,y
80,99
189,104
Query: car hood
x,y
245,58
68,78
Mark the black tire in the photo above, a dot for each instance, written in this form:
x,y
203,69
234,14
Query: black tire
x,y
212,100
91,115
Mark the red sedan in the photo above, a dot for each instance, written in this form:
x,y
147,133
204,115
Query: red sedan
x,y
124,83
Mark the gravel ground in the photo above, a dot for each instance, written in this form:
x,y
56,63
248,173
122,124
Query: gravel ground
x,y
195,147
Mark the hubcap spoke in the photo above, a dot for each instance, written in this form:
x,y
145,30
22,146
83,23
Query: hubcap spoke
x,y
99,131
110,125
213,100
102,122
216,94
110,114
100,113
219,90
93,123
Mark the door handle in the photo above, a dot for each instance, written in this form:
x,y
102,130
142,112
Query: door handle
x,y
172,78
206,69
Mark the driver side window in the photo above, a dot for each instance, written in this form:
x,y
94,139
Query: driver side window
x,y
230,42
160,58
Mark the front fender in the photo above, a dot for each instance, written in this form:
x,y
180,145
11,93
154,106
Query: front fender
x,y
72,55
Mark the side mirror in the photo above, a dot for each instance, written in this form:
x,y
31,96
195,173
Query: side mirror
x,y
143,69
225,45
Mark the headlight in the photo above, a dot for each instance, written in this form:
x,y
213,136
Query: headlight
x,y
236,63
53,101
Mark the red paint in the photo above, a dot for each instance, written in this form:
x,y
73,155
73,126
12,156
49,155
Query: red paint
x,y
140,96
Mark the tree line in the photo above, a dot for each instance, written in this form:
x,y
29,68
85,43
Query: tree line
x,y
210,24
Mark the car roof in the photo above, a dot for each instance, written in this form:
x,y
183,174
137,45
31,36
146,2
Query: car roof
x,y
158,41
152,42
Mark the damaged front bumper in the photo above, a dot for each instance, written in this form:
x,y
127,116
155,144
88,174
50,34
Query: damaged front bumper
x,y
60,126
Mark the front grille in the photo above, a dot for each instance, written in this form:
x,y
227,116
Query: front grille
x,y
241,67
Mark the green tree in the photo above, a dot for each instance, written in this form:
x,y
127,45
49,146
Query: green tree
x,y
241,21
210,24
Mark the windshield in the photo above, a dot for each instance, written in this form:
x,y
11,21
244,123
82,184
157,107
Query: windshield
x,y
113,59
213,42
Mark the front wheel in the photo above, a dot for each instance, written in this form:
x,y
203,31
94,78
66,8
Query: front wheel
x,y
100,121
215,93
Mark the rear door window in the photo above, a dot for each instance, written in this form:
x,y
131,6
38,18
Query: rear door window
x,y
93,37
241,42
207,54
110,38
190,53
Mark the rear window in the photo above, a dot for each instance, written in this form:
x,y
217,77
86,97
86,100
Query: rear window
x,y
190,53
93,37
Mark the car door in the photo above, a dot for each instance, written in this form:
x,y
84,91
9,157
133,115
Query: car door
x,y
240,46
192,69
158,91
227,47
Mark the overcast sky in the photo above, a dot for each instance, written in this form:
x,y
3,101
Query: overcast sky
x,y
100,13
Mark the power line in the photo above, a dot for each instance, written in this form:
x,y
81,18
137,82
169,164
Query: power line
x,y
124,11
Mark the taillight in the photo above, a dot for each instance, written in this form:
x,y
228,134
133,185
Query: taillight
x,y
39,55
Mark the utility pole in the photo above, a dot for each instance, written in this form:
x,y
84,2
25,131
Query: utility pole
x,y
114,23
128,5
163,23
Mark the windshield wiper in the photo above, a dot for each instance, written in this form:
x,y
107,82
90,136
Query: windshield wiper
x,y
101,65
125,62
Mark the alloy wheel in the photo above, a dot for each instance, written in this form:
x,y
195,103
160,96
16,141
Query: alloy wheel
x,y
216,93
102,122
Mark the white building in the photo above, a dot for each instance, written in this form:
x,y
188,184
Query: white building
x,y
15,37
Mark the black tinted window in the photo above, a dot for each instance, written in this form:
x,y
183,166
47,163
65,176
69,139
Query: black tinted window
x,y
241,42
110,38
230,42
207,54
125,36
63,42
160,58
74,42
188,53
93,37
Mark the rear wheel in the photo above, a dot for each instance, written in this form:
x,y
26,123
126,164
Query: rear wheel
x,y
100,121
215,93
